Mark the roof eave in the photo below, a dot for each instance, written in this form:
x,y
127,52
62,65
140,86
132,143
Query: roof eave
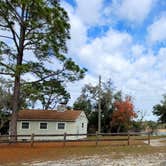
x,y
54,120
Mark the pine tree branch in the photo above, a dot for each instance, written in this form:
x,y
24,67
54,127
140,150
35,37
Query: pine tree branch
x,y
16,15
47,76
4,26
6,37
44,78
8,67
14,34
3,73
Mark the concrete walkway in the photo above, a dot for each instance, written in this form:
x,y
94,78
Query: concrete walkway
x,y
157,142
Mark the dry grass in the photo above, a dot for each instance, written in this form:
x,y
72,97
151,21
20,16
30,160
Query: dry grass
x,y
15,154
163,141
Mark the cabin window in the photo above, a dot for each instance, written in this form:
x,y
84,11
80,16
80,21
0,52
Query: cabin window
x,y
25,125
43,125
61,125
82,125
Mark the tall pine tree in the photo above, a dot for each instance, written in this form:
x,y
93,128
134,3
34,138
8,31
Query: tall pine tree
x,y
34,34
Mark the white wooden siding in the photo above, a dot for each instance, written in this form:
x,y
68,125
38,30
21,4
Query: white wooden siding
x,y
82,119
52,128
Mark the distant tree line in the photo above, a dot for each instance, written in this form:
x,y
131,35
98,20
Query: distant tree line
x,y
160,110
117,112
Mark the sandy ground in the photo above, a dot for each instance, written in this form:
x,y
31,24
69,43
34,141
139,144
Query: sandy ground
x,y
147,160
53,154
158,159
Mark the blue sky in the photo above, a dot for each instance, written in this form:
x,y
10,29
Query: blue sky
x,y
124,40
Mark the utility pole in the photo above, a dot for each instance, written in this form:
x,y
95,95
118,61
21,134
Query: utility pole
x,y
99,106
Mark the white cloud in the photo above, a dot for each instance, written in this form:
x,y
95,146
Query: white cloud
x,y
144,63
160,66
78,30
78,34
89,11
156,31
76,88
132,10
113,43
142,78
137,50
133,67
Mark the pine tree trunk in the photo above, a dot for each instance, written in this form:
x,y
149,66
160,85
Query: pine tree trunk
x,y
15,103
16,95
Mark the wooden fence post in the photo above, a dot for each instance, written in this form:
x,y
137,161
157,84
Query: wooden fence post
x,y
96,138
32,139
148,138
9,139
128,138
64,140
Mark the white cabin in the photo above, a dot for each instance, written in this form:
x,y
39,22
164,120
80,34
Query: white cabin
x,y
52,122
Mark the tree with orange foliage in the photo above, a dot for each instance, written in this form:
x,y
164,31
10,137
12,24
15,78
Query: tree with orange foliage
x,y
123,113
